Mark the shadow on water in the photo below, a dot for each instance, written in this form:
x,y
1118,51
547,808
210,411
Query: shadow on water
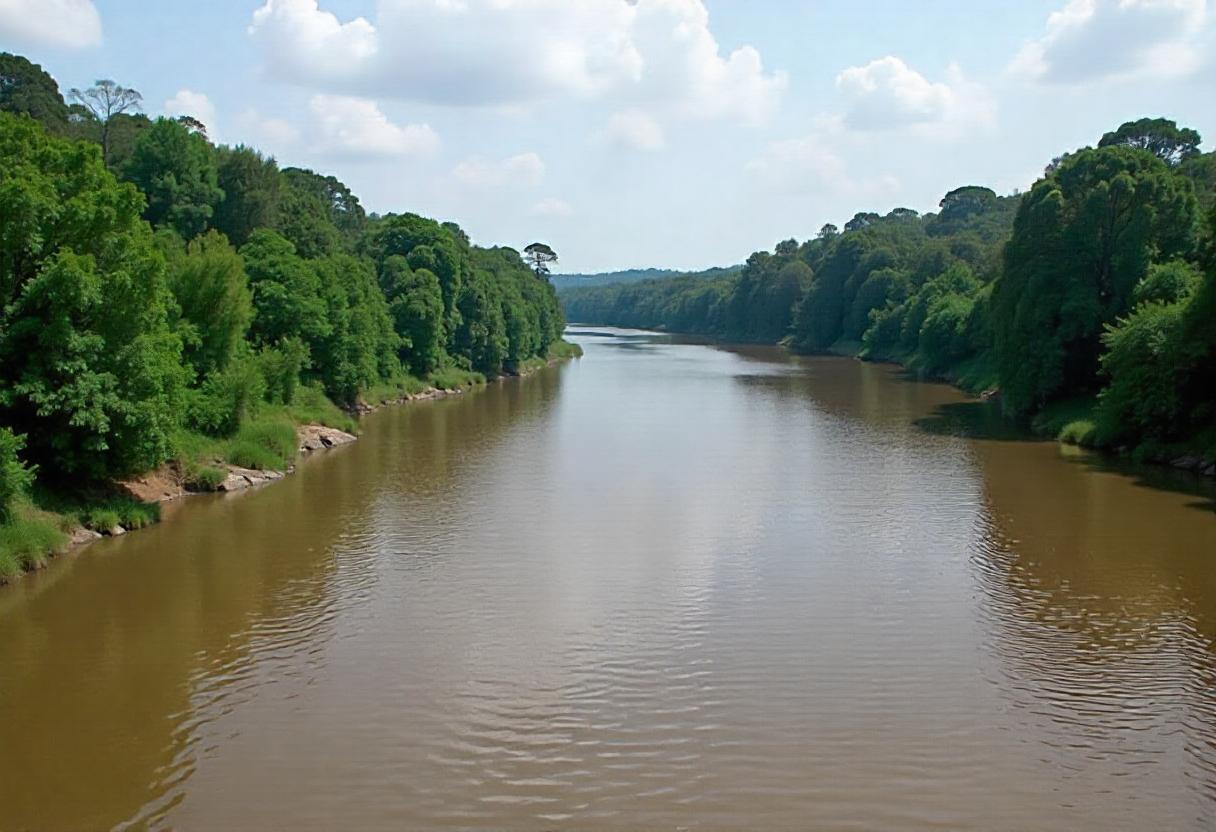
x,y
973,420
1155,477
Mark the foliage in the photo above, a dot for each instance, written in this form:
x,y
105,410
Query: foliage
x,y
103,103
15,476
252,187
89,367
175,169
1159,136
27,89
214,302
268,444
1083,239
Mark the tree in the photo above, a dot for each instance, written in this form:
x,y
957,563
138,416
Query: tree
x,y
1083,238
1160,136
193,125
15,476
212,292
286,288
175,169
343,208
103,101
89,367
252,190
415,302
539,256
26,88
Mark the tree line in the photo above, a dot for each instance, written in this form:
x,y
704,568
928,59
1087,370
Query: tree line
x,y
1094,294
155,285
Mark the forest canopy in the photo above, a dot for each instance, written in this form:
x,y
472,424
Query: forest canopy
x,y
157,286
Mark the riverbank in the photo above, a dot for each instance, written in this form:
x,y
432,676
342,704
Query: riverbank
x,y
53,523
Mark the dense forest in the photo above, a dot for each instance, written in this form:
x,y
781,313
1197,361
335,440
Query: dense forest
x,y
1088,303
164,298
566,282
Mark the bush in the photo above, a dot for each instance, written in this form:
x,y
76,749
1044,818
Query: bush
x,y
227,398
281,366
15,476
204,477
1144,360
27,539
312,407
266,445
450,378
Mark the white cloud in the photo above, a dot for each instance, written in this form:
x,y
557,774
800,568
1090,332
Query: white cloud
x,y
657,53
194,104
808,165
66,23
524,169
1089,40
272,133
355,127
889,94
634,129
553,208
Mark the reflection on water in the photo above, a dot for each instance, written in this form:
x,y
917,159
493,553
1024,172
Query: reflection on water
x,y
669,585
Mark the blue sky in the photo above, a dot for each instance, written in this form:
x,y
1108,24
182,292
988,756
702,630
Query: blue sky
x,y
675,133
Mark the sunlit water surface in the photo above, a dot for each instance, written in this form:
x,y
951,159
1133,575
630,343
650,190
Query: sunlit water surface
x,y
666,586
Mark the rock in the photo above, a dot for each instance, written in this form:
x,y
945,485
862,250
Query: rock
x,y
319,437
1210,471
115,531
1188,463
233,482
82,535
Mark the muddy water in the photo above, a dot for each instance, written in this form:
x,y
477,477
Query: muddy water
x,y
666,586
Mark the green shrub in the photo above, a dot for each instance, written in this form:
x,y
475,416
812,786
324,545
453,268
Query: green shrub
x,y
27,539
101,519
227,398
266,445
312,407
204,477
450,378
15,476
281,366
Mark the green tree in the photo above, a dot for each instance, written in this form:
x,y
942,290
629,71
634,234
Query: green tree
x,y
1160,136
104,101
252,185
212,292
286,288
15,476
540,257
89,367
26,88
175,169
1083,238
415,302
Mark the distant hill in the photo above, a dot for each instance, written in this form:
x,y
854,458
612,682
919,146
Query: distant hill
x,y
564,282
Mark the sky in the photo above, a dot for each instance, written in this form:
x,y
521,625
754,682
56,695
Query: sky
x,y
644,133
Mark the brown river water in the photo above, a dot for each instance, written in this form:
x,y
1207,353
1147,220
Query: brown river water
x,y
668,586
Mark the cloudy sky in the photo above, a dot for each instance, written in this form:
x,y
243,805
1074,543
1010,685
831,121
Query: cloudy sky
x,y
676,133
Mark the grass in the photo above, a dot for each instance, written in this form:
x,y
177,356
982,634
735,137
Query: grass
x,y
28,538
312,407
451,378
1071,421
265,444
395,389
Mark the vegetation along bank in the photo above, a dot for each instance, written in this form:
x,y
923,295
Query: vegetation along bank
x,y
1087,304
170,304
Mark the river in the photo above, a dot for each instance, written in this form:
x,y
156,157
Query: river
x,y
667,586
